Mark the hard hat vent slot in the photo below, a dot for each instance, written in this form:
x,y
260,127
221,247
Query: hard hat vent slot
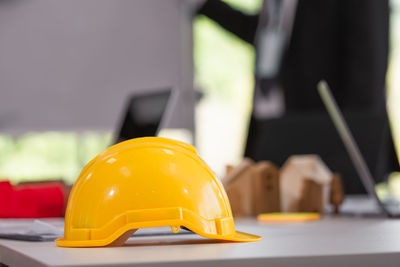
x,y
175,229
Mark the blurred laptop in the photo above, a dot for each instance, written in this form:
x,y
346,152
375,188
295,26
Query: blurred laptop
x,y
145,113
314,133
389,206
149,113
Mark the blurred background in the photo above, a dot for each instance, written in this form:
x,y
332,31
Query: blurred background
x,y
68,67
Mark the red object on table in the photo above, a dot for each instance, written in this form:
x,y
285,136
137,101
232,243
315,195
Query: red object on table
x,y
32,200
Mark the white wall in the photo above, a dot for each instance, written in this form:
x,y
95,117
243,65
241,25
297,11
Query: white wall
x,y
68,65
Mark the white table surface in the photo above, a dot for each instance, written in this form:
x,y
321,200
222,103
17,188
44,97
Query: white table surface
x,y
332,241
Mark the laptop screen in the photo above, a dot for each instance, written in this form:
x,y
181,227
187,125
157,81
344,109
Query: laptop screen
x,y
143,115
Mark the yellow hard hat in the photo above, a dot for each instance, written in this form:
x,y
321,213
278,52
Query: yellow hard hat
x,y
146,182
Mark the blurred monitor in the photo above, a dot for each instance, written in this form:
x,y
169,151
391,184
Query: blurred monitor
x,y
145,114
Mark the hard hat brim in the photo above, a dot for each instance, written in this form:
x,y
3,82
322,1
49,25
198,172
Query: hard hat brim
x,y
236,237
220,228
242,237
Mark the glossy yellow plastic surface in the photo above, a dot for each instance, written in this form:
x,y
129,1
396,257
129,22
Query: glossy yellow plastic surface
x,y
146,182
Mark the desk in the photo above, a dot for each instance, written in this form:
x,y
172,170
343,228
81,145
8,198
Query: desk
x,y
341,241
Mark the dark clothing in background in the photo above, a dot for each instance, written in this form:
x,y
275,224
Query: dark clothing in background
x,y
344,42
